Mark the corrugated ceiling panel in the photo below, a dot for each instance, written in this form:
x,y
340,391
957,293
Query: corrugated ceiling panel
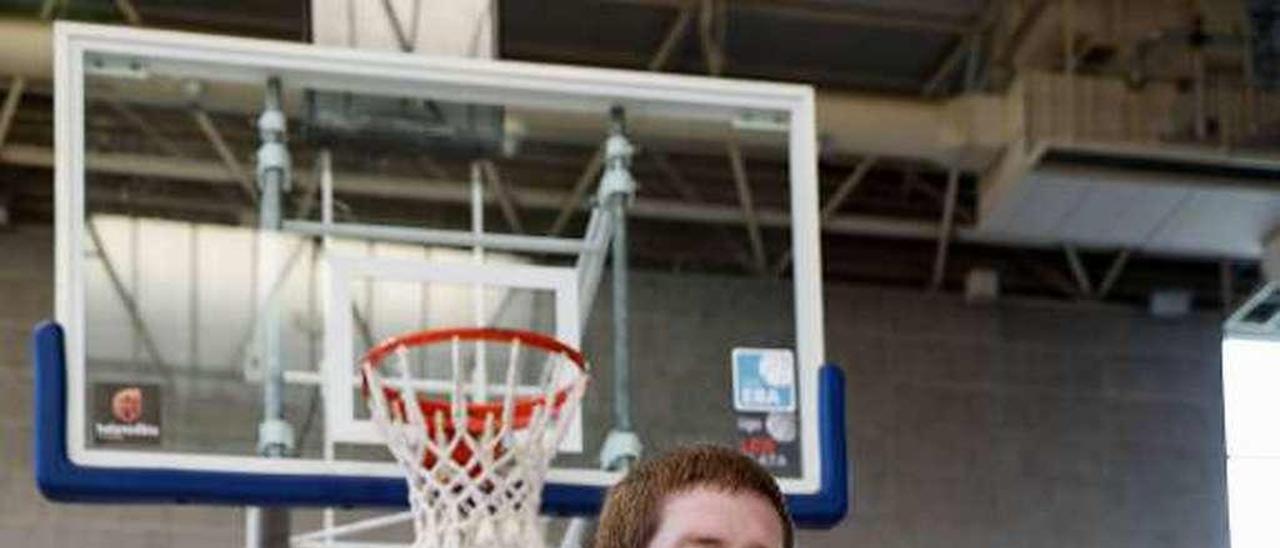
x,y
1156,211
1115,215
1047,203
1223,221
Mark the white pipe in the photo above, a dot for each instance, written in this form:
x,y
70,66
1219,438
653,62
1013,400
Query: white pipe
x,y
26,48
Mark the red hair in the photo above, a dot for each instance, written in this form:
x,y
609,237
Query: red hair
x,y
632,513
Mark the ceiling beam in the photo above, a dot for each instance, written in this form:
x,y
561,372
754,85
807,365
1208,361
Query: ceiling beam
x,y
506,199
1113,274
553,53
1083,284
9,110
834,202
679,28
224,152
964,47
690,193
846,188
132,117
837,14
1014,51
577,198
129,12
454,192
747,203
944,230
711,33
948,65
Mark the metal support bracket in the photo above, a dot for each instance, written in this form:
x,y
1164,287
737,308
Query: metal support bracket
x,y
620,449
272,154
618,151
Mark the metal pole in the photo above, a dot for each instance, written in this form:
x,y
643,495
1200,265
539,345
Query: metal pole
x,y
269,344
273,171
275,435
617,190
617,164
621,332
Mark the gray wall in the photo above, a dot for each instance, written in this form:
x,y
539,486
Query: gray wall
x,y
1018,424
1028,425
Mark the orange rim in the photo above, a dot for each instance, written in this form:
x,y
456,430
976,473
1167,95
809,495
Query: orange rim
x,y
477,412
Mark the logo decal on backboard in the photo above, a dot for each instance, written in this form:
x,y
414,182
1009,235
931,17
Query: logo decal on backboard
x,y
771,439
126,414
764,380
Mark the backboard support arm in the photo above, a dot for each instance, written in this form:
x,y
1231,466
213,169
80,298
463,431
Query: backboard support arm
x,y
275,434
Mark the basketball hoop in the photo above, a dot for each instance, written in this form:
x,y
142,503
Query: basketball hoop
x,y
475,465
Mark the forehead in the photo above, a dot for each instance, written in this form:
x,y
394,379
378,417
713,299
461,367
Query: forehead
x,y
734,518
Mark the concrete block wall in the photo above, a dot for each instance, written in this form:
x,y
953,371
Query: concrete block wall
x,y
1007,425
1027,425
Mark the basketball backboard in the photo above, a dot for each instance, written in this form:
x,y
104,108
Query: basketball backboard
x,y
405,193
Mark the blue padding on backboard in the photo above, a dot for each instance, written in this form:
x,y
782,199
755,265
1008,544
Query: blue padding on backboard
x,y
829,505
62,480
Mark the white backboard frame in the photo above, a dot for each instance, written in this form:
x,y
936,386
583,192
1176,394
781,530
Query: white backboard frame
x,y
506,82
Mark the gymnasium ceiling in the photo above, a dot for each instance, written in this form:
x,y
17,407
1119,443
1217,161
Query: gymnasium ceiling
x,y
881,47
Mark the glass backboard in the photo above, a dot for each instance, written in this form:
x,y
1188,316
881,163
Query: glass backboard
x,y
232,213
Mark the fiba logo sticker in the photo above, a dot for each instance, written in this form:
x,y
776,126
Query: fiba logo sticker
x,y
764,380
126,414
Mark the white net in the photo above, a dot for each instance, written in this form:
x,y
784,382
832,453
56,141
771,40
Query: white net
x,y
475,467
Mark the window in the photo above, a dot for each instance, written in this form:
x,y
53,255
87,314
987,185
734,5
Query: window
x,y
1251,399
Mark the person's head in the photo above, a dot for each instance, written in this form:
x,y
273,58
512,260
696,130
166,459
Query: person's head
x,y
702,496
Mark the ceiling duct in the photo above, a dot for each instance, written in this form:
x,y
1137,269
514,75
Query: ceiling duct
x,y
1143,201
461,28
968,132
26,48
402,122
